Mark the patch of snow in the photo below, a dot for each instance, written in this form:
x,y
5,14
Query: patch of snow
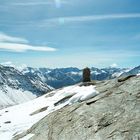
x,y
127,70
47,72
25,71
84,93
6,135
15,65
8,63
103,71
117,74
95,72
27,137
74,73
19,117
10,96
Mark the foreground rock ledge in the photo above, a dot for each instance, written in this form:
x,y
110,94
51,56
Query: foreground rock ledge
x,y
112,115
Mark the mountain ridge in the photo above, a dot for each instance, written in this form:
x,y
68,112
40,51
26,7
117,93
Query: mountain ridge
x,y
16,88
61,77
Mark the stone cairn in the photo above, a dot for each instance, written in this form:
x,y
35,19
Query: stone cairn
x,y
86,75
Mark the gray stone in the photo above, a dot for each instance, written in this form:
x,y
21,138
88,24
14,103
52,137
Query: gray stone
x,y
112,115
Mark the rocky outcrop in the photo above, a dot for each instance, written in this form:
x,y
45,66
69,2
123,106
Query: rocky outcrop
x,y
112,115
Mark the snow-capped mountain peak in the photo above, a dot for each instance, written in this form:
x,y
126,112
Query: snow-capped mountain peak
x,y
15,87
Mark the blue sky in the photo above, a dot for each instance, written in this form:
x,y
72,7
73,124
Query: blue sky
x,y
63,33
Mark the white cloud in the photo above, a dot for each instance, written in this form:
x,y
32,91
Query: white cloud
x,y
62,20
15,47
15,44
104,17
34,3
114,65
72,19
30,3
7,38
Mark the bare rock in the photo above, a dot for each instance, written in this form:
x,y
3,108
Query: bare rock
x,y
112,115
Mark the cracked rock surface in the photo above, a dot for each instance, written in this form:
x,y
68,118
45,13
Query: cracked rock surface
x,y
112,115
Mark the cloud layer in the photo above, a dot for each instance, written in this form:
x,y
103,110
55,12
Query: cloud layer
x,y
23,47
56,21
63,20
6,38
57,3
16,44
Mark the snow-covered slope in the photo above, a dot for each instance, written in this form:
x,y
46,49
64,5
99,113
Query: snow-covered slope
x,y
133,71
15,87
16,119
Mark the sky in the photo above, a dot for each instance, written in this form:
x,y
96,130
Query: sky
x,y
70,33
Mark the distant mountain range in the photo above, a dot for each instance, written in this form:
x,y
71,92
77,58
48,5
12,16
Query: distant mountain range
x,y
17,86
61,77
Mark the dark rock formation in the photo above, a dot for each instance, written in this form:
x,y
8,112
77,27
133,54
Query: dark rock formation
x,y
86,75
